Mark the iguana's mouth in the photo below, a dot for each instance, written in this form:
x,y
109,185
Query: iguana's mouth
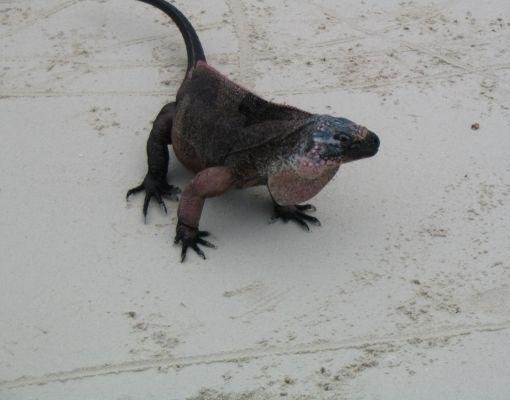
x,y
331,154
368,146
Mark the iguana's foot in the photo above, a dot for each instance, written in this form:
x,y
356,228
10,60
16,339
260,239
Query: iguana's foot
x,y
295,213
191,237
156,188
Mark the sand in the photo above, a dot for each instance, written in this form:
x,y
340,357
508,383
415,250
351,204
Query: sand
x,y
403,293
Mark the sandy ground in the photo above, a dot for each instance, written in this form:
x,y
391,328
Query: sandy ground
x,y
402,294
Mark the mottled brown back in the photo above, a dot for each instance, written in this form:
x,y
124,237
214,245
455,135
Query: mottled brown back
x,y
224,122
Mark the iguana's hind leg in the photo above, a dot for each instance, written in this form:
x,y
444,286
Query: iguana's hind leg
x,y
155,183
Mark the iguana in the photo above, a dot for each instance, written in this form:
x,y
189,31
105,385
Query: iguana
x,y
232,138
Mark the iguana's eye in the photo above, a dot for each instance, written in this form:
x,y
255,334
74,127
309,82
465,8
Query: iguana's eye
x,y
344,139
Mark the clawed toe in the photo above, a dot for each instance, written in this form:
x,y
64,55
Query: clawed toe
x,y
194,246
206,243
191,237
156,188
296,214
134,190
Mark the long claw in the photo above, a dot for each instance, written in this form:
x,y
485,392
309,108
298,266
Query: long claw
x,y
197,250
146,205
156,187
309,218
134,190
202,234
183,252
206,243
161,202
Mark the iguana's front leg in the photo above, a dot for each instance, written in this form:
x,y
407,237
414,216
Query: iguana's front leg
x,y
155,183
295,213
210,182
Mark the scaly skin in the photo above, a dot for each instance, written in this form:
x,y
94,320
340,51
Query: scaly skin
x,y
232,138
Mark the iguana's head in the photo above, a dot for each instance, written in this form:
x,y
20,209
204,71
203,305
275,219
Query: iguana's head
x,y
334,141
338,140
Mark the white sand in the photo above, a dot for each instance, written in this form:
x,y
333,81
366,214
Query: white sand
x,y
402,294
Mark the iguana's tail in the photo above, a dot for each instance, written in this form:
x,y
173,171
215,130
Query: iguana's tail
x,y
193,45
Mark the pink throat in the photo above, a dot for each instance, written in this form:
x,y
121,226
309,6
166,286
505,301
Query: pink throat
x,y
313,167
294,186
